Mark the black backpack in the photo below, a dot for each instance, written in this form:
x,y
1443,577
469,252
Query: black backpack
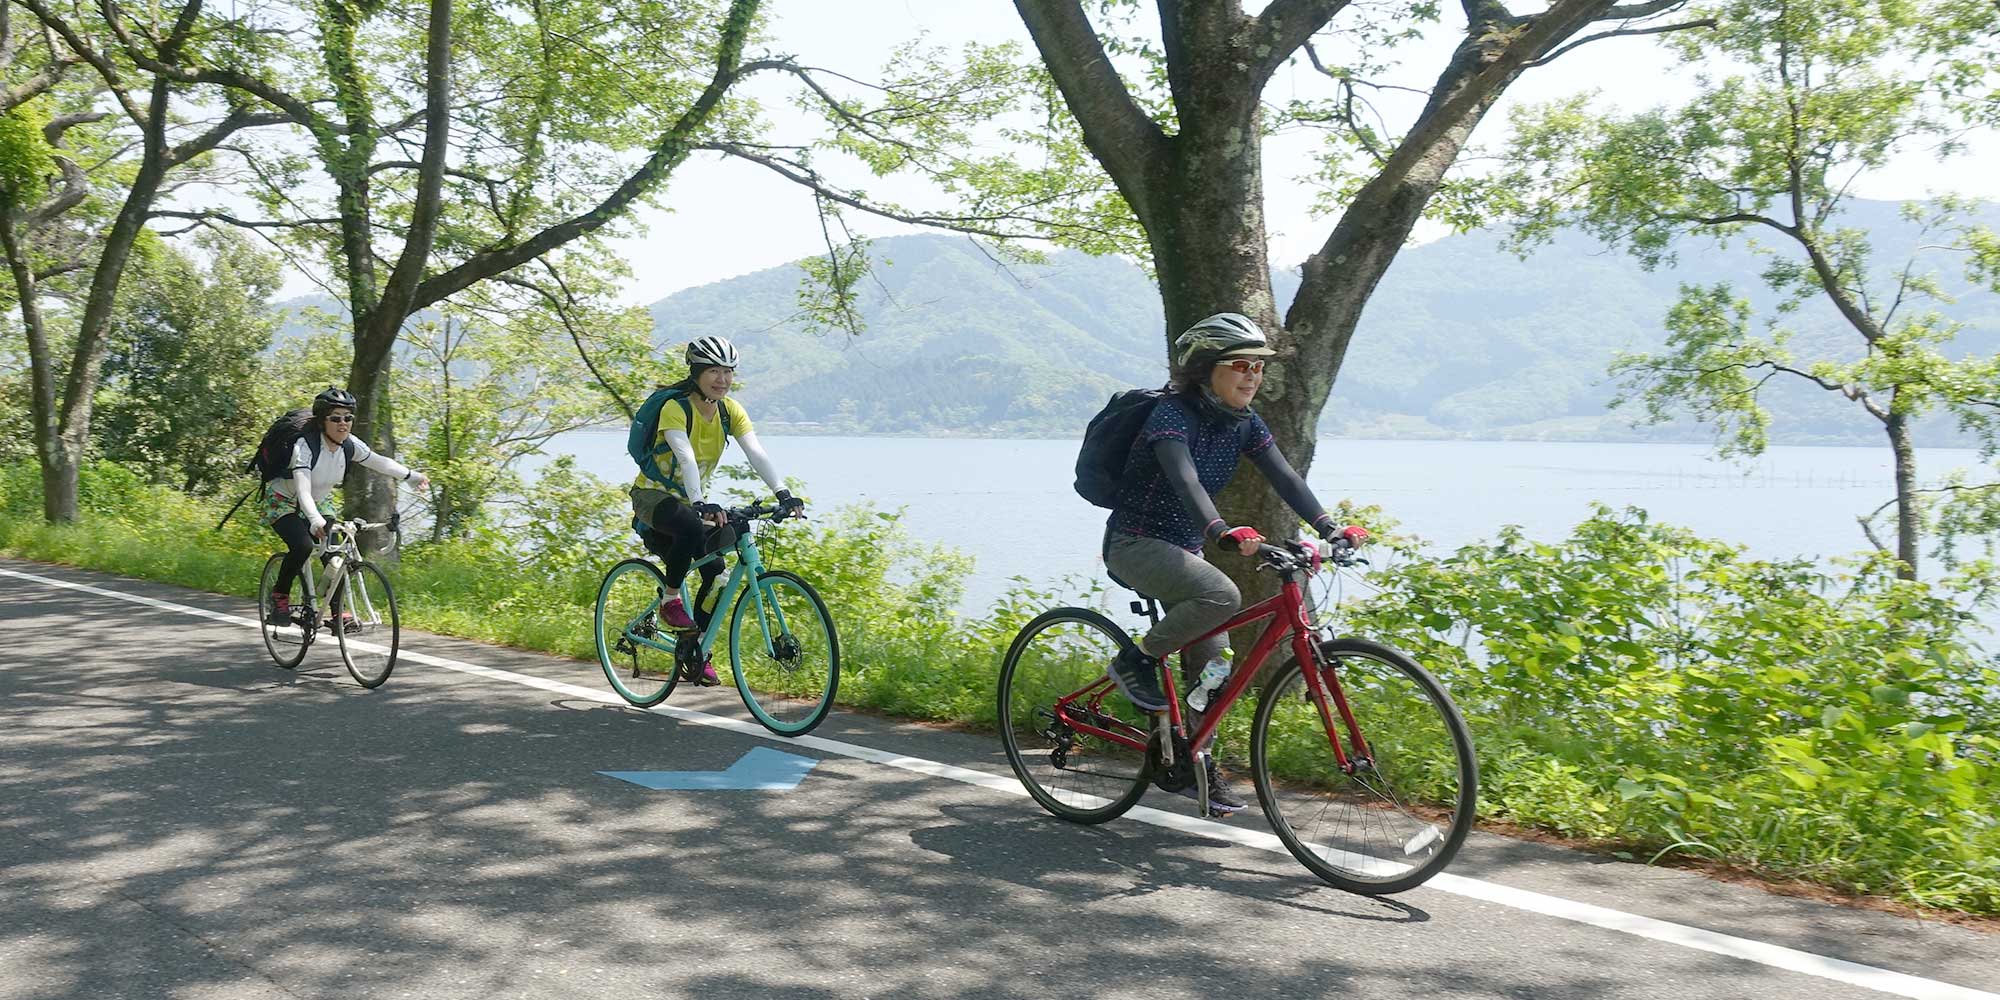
x,y
1107,443
273,457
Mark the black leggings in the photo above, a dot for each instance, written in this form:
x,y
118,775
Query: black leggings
x,y
679,536
298,545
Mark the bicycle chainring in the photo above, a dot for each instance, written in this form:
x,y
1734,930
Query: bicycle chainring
x,y
1178,775
688,654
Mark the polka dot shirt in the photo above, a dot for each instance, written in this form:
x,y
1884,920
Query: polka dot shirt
x,y
1147,502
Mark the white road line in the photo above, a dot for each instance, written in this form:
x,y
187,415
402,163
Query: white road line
x,y
1762,953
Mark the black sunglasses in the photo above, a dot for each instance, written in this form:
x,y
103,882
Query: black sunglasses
x,y
340,418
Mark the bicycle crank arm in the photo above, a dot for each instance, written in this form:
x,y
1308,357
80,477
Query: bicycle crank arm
x,y
1201,785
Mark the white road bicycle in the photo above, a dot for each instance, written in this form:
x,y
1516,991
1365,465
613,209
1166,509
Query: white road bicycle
x,y
359,608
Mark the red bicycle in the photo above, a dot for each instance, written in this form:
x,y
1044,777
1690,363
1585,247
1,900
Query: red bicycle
x,y
1362,764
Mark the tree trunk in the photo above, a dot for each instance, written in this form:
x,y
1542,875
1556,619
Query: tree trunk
x,y
1909,524
58,504
93,335
368,496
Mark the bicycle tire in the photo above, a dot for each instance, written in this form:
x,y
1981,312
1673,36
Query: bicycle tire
x,y
376,621
782,673
287,644
1385,714
1026,710
633,670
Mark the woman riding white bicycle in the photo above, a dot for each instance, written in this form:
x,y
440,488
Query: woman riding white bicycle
x,y
296,506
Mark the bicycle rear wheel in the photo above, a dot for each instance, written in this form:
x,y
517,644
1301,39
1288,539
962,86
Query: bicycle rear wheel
x,y
1399,813
369,645
629,635
283,638
1077,774
785,654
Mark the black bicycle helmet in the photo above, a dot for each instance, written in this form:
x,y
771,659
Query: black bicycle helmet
x,y
334,398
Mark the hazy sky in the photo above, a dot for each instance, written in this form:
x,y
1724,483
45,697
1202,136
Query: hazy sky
x,y
730,218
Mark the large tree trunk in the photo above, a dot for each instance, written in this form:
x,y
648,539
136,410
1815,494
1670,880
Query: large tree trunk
x,y
93,337
42,376
1909,524
369,496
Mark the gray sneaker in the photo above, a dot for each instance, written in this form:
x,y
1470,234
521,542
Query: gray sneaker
x,y
1137,677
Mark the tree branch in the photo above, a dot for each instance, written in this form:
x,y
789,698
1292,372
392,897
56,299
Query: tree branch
x,y
227,219
1118,132
1282,28
237,120
672,148
27,90
1706,22
409,269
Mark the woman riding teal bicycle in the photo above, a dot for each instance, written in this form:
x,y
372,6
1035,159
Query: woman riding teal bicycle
x,y
679,437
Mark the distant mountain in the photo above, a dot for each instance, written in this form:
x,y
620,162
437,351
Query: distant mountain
x,y
1461,340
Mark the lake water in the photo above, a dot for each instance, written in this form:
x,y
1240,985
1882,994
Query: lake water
x,y
1009,503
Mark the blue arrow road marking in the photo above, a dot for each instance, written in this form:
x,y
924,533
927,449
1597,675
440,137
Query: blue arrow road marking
x,y
761,770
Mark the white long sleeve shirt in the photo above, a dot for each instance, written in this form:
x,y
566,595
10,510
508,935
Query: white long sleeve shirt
x,y
313,481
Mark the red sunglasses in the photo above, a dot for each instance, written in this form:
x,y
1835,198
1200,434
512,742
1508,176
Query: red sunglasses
x,y
1244,366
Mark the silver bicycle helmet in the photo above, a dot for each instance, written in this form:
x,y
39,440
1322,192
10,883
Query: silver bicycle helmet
x,y
1231,334
706,351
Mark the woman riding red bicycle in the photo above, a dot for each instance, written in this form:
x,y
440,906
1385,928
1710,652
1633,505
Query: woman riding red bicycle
x,y
1186,452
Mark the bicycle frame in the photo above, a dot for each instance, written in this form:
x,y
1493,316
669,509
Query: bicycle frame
x,y
749,566
340,542
1287,613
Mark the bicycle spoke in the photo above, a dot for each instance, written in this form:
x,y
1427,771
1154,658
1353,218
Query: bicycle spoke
x,y
636,656
1391,819
1075,775
785,653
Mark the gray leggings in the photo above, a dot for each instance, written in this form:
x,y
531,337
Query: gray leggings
x,y
1198,596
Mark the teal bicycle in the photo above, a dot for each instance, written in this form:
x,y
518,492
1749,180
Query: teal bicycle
x,y
783,648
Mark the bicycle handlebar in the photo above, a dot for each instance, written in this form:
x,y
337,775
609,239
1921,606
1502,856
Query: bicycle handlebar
x,y
1294,556
759,510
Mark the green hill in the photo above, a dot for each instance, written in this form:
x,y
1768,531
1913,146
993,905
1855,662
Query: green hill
x,y
1461,340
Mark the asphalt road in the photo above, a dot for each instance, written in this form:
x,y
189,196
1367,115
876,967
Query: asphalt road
x,y
179,818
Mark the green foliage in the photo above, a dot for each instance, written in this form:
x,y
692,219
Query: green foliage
x,y
1795,100
184,393
26,161
1638,684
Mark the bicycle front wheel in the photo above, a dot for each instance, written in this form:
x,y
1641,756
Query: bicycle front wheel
x,y
369,643
1068,733
283,638
636,652
785,654
1398,812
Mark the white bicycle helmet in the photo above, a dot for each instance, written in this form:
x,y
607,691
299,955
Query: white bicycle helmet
x,y
1231,334
706,351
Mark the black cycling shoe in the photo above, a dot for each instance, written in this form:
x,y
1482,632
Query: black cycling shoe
x,y
1221,800
1137,677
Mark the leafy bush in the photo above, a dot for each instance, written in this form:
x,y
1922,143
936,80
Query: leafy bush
x,y
1637,683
